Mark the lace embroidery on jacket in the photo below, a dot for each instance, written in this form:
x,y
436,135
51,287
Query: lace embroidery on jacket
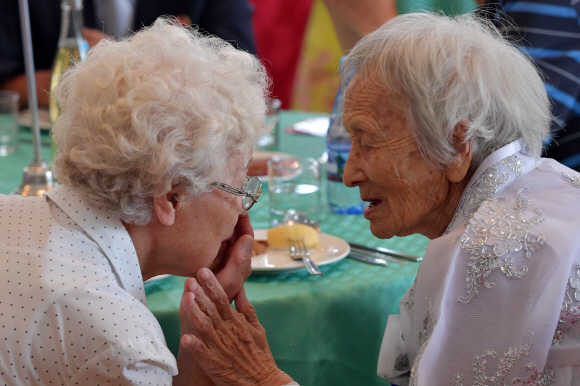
x,y
569,321
402,363
514,164
504,367
492,232
574,180
424,336
410,302
484,188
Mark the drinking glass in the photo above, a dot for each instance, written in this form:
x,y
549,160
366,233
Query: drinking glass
x,y
293,187
8,122
270,141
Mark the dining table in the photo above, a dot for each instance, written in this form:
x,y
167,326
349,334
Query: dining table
x,y
322,330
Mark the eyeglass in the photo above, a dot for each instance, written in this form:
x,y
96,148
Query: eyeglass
x,y
251,191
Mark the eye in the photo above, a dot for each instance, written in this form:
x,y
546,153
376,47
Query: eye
x,y
366,144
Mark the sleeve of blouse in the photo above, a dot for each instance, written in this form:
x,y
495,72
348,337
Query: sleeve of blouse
x,y
130,363
487,308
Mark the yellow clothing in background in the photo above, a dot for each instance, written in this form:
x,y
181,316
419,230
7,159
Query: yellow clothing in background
x,y
317,77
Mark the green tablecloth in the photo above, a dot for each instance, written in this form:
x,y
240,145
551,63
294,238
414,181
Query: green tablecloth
x,y
323,330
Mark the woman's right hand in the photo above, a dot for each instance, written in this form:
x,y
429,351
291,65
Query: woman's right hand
x,y
230,346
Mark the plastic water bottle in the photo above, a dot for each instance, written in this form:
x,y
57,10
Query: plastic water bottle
x,y
342,200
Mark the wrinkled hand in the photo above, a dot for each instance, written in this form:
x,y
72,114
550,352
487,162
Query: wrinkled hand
x,y
189,370
230,346
233,265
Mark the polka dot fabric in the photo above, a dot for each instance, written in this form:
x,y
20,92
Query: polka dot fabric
x,y
72,304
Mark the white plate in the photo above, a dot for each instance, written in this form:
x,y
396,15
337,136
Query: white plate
x,y
156,278
24,119
276,260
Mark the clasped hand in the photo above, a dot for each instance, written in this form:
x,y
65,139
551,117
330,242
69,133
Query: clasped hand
x,y
229,345
220,346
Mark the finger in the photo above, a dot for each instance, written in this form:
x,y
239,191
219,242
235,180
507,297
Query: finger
x,y
183,307
246,308
209,359
239,321
243,261
187,284
215,293
203,327
238,267
244,226
194,345
204,304
200,321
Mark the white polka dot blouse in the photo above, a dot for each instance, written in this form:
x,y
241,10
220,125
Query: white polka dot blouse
x,y
72,304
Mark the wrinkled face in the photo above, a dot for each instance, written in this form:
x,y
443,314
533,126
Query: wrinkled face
x,y
406,194
204,225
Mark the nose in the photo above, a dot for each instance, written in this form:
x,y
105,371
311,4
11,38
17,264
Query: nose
x,y
353,175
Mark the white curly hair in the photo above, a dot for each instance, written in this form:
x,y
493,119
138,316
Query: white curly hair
x,y
451,69
164,108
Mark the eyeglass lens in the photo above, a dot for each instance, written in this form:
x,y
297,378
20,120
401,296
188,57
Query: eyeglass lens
x,y
251,187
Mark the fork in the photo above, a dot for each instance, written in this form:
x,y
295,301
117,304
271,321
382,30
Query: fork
x,y
298,251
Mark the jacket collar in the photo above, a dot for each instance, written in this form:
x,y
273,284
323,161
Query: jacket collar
x,y
108,232
496,172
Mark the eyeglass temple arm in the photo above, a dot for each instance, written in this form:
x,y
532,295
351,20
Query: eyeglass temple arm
x,y
234,191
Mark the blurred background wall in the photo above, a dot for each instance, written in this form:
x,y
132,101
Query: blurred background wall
x,y
299,46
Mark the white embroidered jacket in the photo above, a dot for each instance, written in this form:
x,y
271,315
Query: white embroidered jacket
x,y
497,298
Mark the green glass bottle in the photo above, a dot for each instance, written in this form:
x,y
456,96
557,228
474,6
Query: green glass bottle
x,y
72,48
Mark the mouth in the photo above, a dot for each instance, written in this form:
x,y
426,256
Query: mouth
x,y
373,204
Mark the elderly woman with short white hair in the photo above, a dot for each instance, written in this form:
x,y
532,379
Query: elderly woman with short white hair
x,y
155,136
447,121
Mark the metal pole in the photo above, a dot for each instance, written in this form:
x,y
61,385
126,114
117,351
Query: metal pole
x,y
30,77
37,177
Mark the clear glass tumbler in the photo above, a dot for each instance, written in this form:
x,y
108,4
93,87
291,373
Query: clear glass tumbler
x,y
270,141
293,187
8,122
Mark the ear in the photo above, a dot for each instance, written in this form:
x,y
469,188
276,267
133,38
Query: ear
x,y
457,171
165,208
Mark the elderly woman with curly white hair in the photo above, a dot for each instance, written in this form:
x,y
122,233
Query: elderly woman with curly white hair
x,y
447,121
155,135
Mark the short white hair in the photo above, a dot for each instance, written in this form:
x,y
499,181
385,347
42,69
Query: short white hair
x,y
164,108
452,69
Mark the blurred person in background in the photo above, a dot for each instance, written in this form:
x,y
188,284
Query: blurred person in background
x,y
549,32
155,135
227,19
447,120
546,30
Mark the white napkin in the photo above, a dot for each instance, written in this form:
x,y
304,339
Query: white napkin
x,y
313,126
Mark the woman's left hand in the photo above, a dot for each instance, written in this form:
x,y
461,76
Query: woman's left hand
x,y
230,346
